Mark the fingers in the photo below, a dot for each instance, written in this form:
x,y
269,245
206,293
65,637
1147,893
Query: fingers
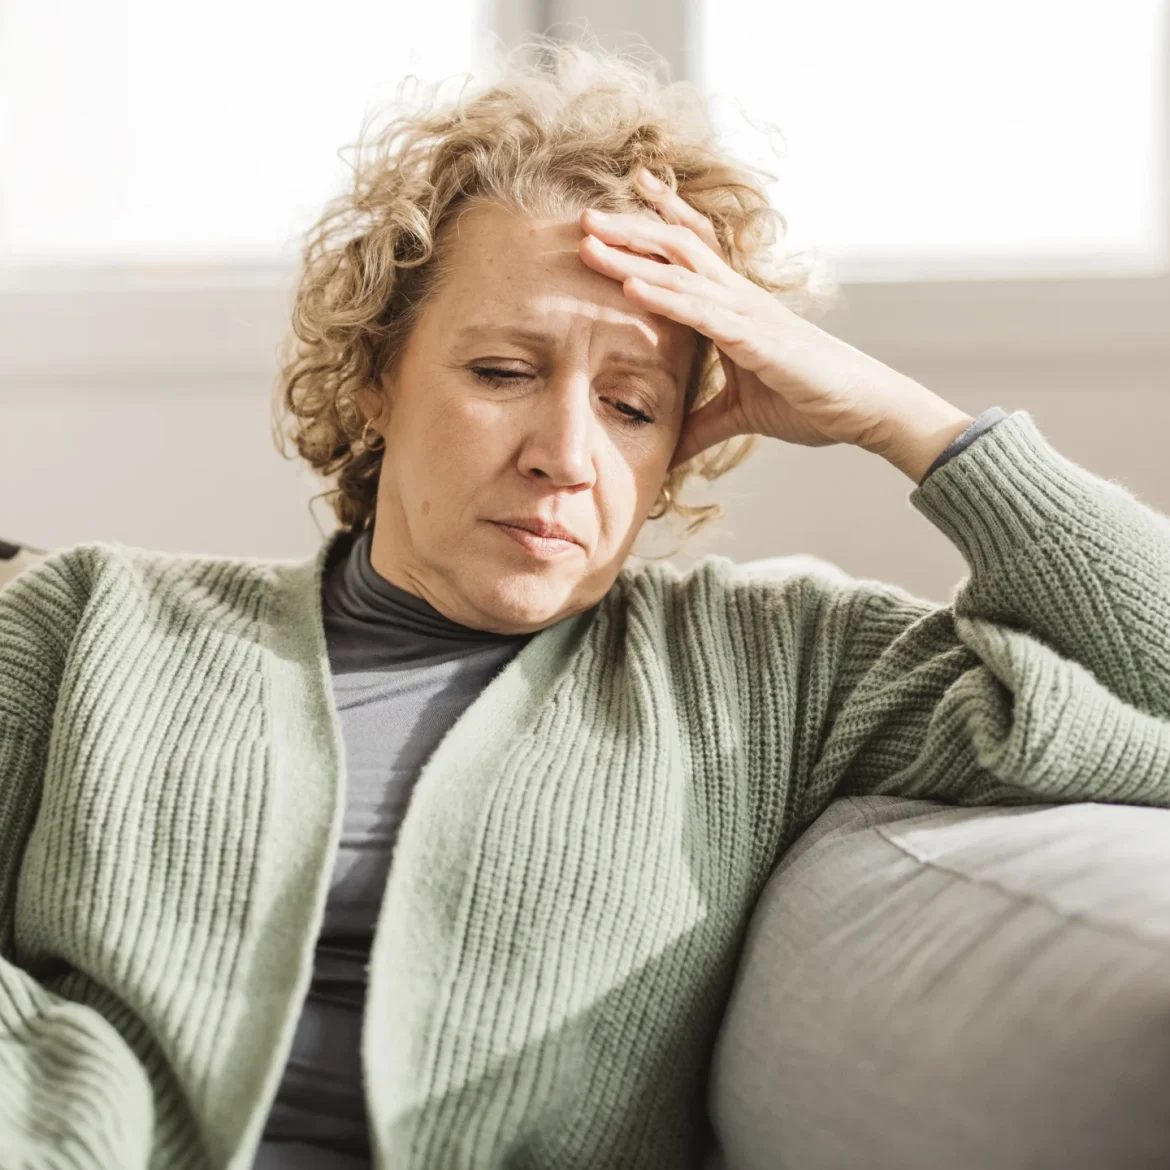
x,y
617,261
672,291
714,320
644,233
674,209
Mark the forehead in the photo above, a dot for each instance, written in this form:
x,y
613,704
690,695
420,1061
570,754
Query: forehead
x,y
509,268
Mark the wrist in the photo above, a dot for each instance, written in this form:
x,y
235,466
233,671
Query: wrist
x,y
918,432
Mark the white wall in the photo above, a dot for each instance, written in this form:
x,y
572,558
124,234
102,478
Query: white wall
x,y
178,467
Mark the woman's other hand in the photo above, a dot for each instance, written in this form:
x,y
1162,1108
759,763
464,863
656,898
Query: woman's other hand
x,y
786,378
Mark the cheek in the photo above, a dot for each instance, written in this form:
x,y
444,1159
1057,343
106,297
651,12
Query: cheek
x,y
477,437
649,487
441,431
628,483
449,453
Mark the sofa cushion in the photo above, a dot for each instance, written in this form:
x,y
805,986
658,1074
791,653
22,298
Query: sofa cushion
x,y
924,986
15,558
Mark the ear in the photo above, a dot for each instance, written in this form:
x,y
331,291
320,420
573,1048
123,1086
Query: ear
x,y
371,400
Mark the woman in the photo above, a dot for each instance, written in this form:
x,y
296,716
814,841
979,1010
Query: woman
x,y
505,354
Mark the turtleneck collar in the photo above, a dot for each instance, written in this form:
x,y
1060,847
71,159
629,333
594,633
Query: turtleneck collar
x,y
360,605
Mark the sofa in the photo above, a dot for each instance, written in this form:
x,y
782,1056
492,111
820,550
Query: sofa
x,y
925,987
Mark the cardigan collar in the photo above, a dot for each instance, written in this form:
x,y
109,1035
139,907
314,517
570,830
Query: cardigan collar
x,y
435,852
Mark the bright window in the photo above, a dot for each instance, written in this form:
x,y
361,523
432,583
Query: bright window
x,y
139,130
997,135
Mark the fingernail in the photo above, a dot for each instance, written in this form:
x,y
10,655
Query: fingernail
x,y
649,181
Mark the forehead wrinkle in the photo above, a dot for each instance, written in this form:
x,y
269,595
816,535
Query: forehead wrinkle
x,y
598,313
522,298
573,308
537,263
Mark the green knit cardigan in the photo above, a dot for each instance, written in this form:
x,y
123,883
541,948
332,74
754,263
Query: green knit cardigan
x,y
561,926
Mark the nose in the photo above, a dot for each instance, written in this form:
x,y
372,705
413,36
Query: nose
x,y
560,433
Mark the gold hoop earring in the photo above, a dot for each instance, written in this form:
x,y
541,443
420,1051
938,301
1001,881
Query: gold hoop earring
x,y
365,437
660,509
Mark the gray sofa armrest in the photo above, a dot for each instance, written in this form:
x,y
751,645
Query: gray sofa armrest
x,y
977,989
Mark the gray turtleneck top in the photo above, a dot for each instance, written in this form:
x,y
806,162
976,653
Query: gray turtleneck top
x,y
402,675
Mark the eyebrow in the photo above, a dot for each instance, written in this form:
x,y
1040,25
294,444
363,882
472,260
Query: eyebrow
x,y
538,337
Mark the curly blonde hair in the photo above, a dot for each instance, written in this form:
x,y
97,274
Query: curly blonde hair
x,y
564,126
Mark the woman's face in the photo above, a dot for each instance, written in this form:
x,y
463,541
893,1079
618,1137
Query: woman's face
x,y
521,394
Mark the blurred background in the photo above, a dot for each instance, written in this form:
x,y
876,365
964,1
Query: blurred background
x,y
988,183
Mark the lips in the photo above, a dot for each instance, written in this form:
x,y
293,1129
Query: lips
x,y
543,528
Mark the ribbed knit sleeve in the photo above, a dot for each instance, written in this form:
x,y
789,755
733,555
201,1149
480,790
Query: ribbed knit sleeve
x,y
72,1093
1047,677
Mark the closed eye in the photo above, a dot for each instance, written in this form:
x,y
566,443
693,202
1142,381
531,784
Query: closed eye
x,y
495,376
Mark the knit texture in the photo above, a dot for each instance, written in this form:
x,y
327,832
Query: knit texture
x,y
583,850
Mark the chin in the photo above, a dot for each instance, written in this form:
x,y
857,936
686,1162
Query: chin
x,y
531,600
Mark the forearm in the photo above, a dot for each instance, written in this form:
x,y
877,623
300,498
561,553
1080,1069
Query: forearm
x,y
1070,557
1047,677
